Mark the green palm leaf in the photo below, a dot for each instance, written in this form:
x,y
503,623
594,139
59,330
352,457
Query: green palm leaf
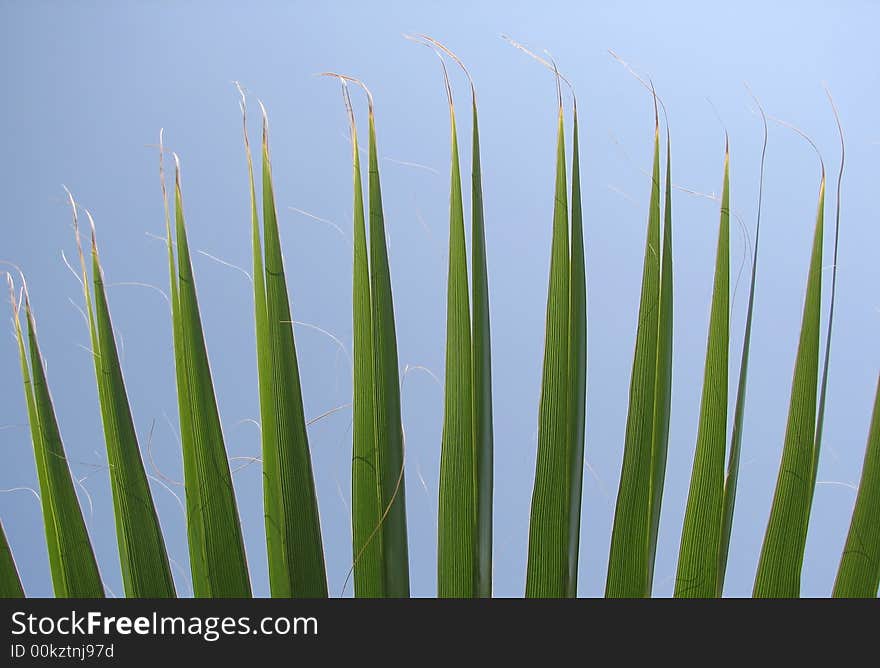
x,y
366,479
293,530
733,458
217,556
71,558
466,475
630,558
482,375
663,387
457,533
782,554
10,582
547,572
859,571
146,572
577,364
701,534
389,429
379,539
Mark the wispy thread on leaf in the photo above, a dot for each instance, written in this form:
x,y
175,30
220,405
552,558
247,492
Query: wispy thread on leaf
x,y
344,79
431,45
22,488
805,136
358,82
165,486
418,367
70,268
409,163
140,284
452,55
327,333
387,510
550,65
328,413
327,222
648,84
226,263
152,461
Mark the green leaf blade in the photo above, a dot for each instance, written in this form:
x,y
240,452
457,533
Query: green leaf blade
x,y
389,427
733,459
457,530
577,364
10,582
296,562
482,375
366,479
697,574
217,556
782,553
71,557
663,383
548,569
146,571
629,559
858,575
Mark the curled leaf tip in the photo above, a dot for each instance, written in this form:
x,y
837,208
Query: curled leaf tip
x,y
69,195
74,207
14,266
840,136
242,103
92,226
550,65
656,107
454,57
805,136
349,109
647,83
435,47
265,115
14,301
11,284
355,81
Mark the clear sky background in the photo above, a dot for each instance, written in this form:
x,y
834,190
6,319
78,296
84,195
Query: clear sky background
x,y
87,86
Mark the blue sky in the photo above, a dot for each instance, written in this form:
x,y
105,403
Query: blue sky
x,y
88,86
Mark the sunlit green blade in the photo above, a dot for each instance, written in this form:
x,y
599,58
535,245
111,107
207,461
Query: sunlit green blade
x,y
456,553
146,572
217,557
49,523
663,388
264,375
577,365
296,555
547,571
389,429
782,554
859,571
482,361
697,575
826,362
71,558
10,583
733,458
628,561
366,480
